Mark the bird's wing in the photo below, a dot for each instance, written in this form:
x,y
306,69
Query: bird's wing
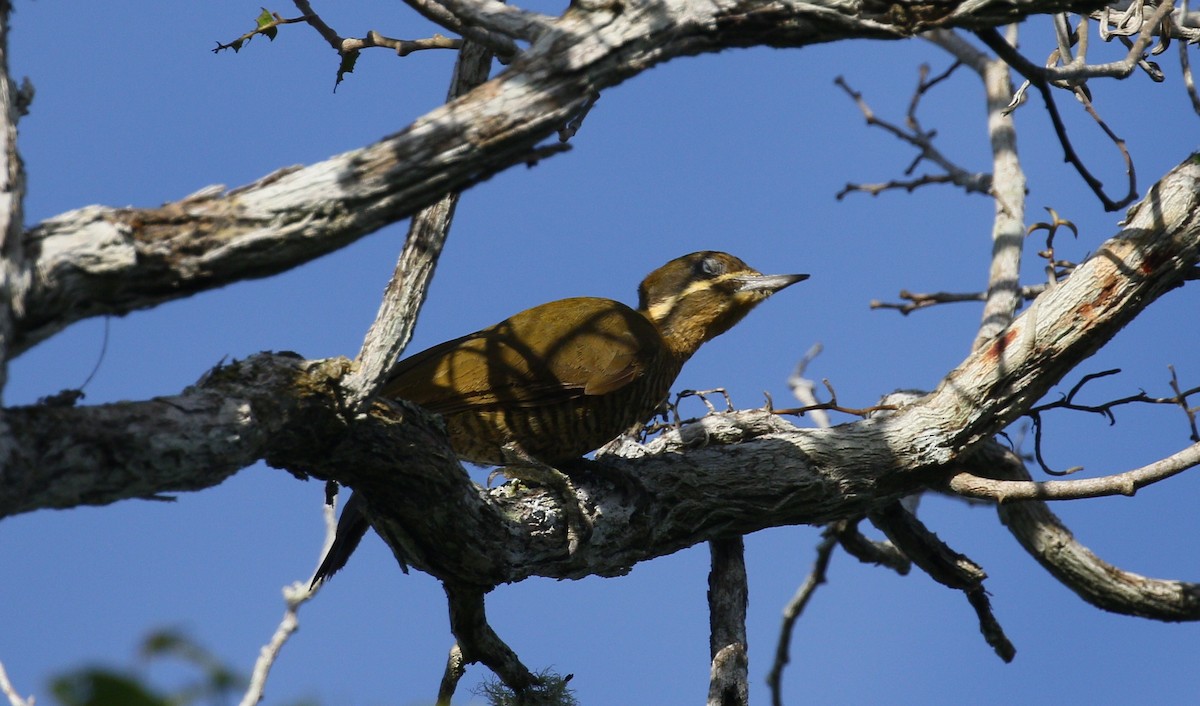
x,y
545,355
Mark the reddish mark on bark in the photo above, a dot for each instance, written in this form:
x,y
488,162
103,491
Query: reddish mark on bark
x,y
1151,262
1088,310
1001,344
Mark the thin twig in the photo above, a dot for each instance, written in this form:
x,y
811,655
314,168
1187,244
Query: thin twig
x,y
831,405
1105,409
1051,228
805,390
1036,76
294,596
267,24
1181,399
6,688
1127,483
919,138
923,300
908,185
795,608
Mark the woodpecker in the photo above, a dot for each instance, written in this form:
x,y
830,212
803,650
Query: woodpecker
x,y
556,381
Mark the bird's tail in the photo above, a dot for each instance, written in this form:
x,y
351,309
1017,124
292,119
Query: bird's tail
x,y
351,528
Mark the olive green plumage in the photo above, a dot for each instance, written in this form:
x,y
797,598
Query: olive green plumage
x,y
561,379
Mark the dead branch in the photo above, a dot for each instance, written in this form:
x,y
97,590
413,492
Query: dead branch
x,y
1127,483
456,667
1105,409
919,138
831,406
793,610
923,300
1099,583
945,566
728,597
869,551
1036,77
1053,267
405,292
10,691
477,642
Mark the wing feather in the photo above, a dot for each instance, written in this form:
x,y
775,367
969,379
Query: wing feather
x,y
546,355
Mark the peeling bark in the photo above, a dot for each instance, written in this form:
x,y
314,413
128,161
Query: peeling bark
x,y
99,260
741,472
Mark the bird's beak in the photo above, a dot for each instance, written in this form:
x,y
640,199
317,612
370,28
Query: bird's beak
x,y
768,284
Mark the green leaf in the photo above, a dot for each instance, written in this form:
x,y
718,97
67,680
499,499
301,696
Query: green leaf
x,y
101,687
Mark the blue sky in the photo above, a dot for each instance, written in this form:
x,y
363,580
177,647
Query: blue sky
x,y
741,151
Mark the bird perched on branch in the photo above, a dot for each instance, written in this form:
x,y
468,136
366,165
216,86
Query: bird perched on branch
x,y
552,383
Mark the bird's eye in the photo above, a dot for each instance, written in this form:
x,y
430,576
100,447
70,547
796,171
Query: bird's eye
x,y
710,267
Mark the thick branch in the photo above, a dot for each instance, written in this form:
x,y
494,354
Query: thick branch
x,y
728,596
1096,581
12,197
725,475
110,261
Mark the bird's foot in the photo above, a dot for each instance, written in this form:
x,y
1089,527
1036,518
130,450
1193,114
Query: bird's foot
x,y
523,466
625,483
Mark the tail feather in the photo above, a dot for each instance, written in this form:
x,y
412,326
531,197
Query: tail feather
x,y
351,528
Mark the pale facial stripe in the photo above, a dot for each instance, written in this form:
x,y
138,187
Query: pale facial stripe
x,y
661,310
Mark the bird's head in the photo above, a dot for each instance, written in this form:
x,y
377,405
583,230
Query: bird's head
x,y
697,297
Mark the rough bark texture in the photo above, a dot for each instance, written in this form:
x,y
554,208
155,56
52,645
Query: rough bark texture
x,y
741,472
99,260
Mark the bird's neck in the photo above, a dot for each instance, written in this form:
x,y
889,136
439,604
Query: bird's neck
x,y
682,339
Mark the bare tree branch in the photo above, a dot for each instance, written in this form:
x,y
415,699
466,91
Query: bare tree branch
x,y
1008,224
100,260
945,566
1127,483
1099,583
456,667
288,412
869,551
12,196
728,596
405,293
924,300
477,642
10,691
294,596
793,610
1105,409
1039,80
914,135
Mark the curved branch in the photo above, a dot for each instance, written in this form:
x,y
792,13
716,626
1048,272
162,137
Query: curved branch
x,y
1127,483
113,260
1103,585
741,472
